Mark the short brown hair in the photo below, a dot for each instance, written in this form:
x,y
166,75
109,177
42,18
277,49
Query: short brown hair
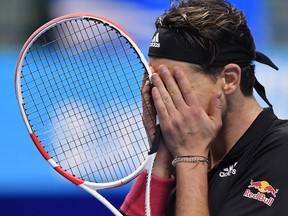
x,y
210,23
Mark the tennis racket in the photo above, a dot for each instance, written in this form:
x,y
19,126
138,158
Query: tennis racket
x,y
78,84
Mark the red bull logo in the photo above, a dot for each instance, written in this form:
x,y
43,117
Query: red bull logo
x,y
262,188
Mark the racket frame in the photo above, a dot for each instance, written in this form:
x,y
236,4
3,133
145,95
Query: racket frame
x,y
90,187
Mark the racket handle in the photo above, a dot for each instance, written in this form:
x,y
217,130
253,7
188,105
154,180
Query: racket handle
x,y
156,141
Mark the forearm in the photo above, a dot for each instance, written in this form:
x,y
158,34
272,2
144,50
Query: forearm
x,y
192,189
162,163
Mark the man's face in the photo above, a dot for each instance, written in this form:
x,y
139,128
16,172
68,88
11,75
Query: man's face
x,y
203,86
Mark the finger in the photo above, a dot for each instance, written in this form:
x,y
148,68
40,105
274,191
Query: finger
x,y
160,106
185,86
149,113
171,86
215,111
146,89
145,78
163,93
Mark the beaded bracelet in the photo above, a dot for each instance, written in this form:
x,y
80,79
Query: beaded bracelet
x,y
190,159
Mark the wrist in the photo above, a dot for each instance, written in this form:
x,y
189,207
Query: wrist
x,y
162,166
192,152
194,159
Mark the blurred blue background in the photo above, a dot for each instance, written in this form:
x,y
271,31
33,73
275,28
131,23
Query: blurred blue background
x,y
28,185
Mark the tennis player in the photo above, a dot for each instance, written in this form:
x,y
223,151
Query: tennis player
x,y
228,154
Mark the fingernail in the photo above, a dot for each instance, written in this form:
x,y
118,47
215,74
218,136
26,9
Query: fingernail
x,y
163,69
154,78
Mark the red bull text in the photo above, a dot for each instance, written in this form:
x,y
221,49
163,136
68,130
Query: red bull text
x,y
263,188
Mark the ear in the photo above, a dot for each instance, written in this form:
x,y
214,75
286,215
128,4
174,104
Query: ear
x,y
232,77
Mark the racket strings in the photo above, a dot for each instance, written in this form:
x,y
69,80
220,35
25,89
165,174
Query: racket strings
x,y
67,78
57,77
105,148
87,119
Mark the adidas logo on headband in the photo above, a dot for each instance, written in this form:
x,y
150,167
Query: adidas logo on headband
x,y
155,41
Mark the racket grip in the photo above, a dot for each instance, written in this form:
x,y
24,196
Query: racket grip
x,y
156,141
